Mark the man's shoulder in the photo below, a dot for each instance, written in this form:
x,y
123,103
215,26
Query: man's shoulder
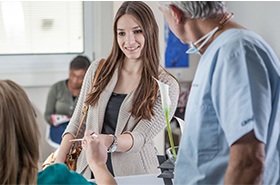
x,y
59,84
233,42
241,37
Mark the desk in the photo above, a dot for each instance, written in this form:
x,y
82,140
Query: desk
x,y
147,179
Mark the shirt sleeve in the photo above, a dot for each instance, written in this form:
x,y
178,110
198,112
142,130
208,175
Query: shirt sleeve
x,y
241,92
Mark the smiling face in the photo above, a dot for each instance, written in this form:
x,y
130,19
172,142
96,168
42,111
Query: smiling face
x,y
130,36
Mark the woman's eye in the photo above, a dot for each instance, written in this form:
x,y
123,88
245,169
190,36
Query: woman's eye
x,y
138,31
121,33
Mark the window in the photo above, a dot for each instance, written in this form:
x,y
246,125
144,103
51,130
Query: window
x,y
49,53
41,27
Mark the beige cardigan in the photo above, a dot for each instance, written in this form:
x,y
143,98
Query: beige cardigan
x,y
142,157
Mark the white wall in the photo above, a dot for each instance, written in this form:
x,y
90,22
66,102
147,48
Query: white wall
x,y
261,17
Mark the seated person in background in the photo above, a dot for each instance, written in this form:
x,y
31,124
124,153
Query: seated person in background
x,y
62,98
18,128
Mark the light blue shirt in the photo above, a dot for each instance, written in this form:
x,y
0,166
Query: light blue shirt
x,y
235,90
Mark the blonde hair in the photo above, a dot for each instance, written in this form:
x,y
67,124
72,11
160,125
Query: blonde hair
x,y
19,136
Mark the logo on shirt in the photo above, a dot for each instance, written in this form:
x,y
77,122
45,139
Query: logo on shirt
x,y
247,121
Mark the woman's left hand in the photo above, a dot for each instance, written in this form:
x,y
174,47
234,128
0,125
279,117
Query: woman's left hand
x,y
106,139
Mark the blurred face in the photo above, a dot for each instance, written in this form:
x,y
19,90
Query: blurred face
x,y
171,18
130,36
168,18
76,77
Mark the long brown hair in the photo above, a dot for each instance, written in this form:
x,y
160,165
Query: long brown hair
x,y
19,136
146,92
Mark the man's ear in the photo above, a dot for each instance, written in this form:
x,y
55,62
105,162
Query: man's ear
x,y
176,13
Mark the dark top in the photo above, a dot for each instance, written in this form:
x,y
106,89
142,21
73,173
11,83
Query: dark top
x,y
110,120
112,113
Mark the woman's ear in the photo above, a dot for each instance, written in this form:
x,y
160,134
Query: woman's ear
x,y
176,13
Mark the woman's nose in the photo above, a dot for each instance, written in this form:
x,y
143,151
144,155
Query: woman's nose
x,y
130,39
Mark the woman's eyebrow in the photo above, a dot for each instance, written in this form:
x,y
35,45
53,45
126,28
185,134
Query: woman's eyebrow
x,y
121,29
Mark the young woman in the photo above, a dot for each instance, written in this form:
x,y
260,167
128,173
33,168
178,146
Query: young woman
x,y
124,103
19,138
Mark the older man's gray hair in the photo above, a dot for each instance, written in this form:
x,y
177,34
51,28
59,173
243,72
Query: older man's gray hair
x,y
197,9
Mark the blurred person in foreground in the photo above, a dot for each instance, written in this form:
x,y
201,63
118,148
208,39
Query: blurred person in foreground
x,y
18,129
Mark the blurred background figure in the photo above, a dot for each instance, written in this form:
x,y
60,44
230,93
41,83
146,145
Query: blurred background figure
x,y
62,99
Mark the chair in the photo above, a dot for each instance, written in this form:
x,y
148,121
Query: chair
x,y
48,138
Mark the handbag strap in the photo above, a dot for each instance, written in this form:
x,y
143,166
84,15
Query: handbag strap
x,y
84,113
85,108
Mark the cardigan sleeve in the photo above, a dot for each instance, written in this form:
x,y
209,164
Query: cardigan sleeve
x,y
146,130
